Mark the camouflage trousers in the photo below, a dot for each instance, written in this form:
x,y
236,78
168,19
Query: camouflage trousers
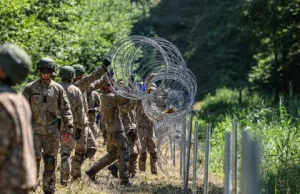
x,y
14,191
103,130
79,142
148,144
91,144
117,148
134,150
94,128
46,147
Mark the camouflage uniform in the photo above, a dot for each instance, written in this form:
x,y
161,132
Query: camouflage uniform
x,y
79,138
147,138
93,100
83,84
130,126
17,159
117,146
102,125
45,101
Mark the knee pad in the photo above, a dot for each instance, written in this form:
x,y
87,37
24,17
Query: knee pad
x,y
79,157
65,156
90,152
49,163
153,156
133,157
143,156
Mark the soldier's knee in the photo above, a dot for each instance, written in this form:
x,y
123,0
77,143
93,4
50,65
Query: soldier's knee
x,y
153,156
65,157
143,156
79,157
90,152
49,163
133,157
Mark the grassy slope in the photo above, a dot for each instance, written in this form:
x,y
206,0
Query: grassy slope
x,y
144,183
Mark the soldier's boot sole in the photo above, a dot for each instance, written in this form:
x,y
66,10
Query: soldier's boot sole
x,y
113,170
91,174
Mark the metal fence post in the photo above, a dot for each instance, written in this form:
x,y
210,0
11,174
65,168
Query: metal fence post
x,y
227,165
195,158
250,165
207,150
188,154
234,158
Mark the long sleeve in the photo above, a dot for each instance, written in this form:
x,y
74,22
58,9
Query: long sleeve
x,y
66,113
84,83
6,134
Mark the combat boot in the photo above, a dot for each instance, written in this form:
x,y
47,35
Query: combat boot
x,y
91,174
153,162
63,182
142,161
132,165
126,183
48,191
113,170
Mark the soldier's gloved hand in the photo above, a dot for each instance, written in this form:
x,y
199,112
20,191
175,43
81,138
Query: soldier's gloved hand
x,y
132,77
77,134
91,111
66,136
170,110
132,135
106,63
111,73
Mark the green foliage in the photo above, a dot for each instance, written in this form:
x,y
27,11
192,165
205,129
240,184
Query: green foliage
x,y
69,31
276,127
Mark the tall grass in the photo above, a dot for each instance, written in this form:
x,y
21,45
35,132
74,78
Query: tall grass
x,y
275,126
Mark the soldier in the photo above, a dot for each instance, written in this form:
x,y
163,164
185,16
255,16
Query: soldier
x,y
46,98
83,84
117,144
147,138
93,100
17,159
79,138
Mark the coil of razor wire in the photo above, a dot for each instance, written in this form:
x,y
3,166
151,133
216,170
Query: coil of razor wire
x,y
161,78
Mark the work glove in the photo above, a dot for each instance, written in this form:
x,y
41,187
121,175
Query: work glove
x,y
106,63
132,135
91,111
77,134
170,110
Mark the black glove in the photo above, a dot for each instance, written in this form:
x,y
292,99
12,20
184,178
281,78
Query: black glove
x,y
111,73
107,62
91,111
77,134
132,77
59,124
132,135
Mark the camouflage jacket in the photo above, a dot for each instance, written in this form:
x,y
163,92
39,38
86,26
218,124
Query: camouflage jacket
x,y
142,119
46,101
85,82
128,115
77,105
17,157
93,102
111,104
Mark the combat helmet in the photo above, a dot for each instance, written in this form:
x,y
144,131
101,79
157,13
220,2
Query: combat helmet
x,y
67,72
15,62
79,69
46,63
